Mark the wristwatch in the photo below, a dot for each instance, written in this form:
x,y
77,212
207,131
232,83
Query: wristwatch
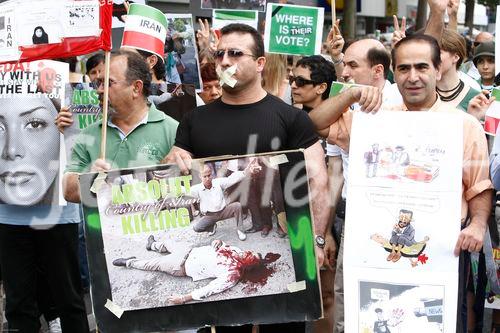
x,y
320,241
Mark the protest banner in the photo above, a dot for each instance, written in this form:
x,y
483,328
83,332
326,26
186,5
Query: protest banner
x,y
83,102
181,58
258,5
402,223
30,98
33,30
145,29
221,18
165,254
296,30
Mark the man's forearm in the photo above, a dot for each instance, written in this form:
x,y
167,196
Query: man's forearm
x,y
435,25
331,109
71,187
480,208
318,185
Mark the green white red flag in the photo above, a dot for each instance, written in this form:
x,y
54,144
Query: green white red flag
x,y
145,29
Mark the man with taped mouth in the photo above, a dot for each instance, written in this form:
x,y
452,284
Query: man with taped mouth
x,y
249,120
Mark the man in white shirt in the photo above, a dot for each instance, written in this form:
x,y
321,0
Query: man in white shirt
x,y
213,204
223,263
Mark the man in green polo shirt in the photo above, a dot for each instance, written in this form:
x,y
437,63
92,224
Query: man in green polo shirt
x,y
137,133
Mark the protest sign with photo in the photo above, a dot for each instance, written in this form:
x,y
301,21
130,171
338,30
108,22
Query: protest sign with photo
x,y
30,98
32,30
398,259
258,5
296,30
181,52
221,18
159,239
173,99
83,102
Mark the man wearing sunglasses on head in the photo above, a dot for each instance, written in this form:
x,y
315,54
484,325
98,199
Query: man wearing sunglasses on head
x,y
246,119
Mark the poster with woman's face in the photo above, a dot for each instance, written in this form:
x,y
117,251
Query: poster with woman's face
x,y
30,97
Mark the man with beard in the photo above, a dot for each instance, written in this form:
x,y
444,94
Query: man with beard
x,y
138,134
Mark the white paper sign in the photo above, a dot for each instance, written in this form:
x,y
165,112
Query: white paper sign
x,y
402,222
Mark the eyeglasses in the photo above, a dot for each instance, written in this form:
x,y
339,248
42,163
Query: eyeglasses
x,y
300,81
231,53
98,82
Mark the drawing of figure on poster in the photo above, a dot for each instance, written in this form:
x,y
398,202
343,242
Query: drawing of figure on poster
x,y
396,162
404,230
391,308
39,24
401,242
159,236
411,154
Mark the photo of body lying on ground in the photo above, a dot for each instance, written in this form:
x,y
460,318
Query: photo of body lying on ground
x,y
213,235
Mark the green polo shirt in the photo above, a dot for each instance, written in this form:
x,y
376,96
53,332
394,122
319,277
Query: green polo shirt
x,y
147,144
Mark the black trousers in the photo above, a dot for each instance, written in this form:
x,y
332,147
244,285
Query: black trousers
x,y
24,251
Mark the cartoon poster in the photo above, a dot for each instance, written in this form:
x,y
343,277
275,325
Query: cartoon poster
x,y
258,5
407,178
178,245
181,53
30,98
295,30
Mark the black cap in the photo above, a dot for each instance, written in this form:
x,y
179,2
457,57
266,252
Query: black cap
x,y
484,49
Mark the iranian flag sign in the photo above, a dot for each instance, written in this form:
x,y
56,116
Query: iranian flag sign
x,y
145,29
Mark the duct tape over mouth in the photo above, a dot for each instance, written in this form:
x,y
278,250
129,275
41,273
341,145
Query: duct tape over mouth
x,y
226,76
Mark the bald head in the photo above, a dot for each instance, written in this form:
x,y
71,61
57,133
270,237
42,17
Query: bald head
x,y
366,62
484,37
363,45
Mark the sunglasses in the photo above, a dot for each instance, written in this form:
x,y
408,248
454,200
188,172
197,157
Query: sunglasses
x,y
231,53
300,81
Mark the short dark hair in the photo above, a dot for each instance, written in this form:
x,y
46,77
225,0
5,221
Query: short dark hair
x,y
322,71
419,38
208,73
258,47
406,211
159,67
137,69
378,56
94,61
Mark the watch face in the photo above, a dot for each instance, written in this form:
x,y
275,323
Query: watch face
x,y
320,241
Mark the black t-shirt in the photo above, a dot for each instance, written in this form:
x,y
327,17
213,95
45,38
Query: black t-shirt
x,y
264,126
